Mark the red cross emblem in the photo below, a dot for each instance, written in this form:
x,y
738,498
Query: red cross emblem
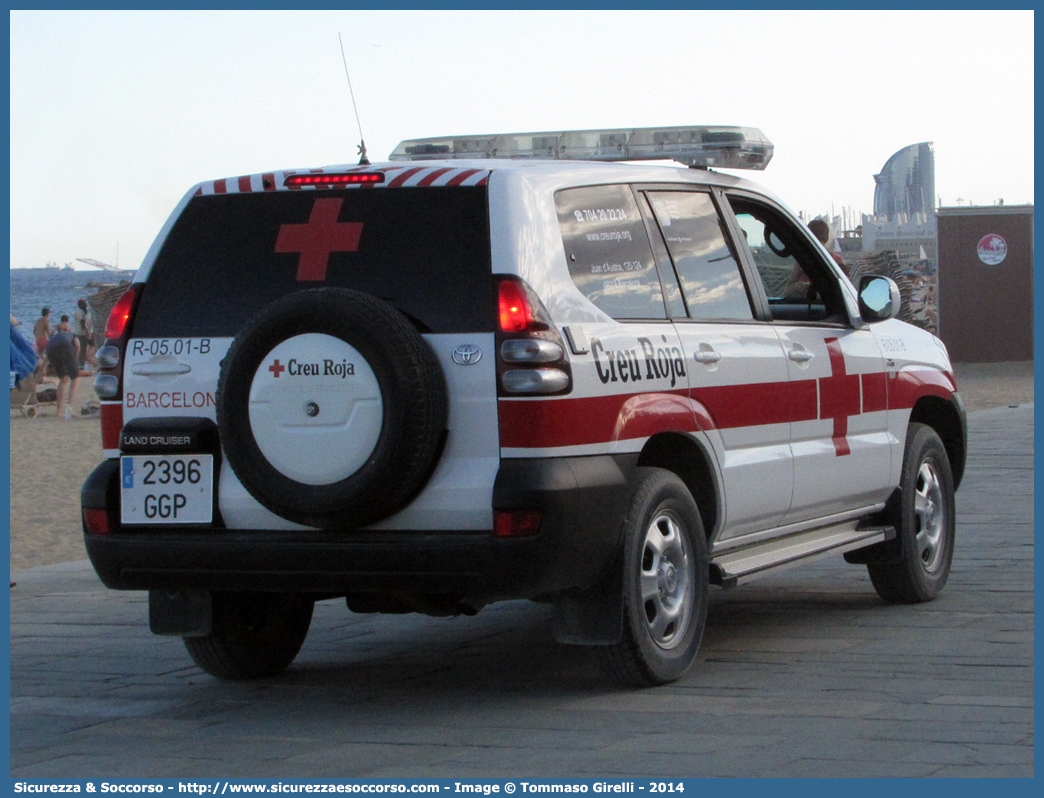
x,y
277,368
316,239
840,396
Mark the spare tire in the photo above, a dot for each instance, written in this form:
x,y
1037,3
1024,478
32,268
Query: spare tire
x,y
331,408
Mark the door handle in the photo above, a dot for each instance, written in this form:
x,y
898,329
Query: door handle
x,y
800,355
160,369
707,356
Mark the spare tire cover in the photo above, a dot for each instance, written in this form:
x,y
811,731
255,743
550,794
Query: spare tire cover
x,y
331,408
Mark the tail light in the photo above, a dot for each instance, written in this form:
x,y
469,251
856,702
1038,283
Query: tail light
x,y
109,383
96,521
335,179
516,523
516,310
531,355
120,316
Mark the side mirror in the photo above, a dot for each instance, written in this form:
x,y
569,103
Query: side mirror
x,y
878,298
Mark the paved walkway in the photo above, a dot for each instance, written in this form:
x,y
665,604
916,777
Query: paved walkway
x,y
805,673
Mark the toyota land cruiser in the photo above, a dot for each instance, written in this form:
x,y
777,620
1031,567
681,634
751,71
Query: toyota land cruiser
x,y
503,367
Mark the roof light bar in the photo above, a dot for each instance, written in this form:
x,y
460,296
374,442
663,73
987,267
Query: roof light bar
x,y
699,146
334,179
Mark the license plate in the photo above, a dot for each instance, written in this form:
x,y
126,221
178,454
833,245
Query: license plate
x,y
167,489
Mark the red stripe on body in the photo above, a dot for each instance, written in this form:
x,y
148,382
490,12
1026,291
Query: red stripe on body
x,y
570,421
875,392
908,386
399,179
432,176
456,180
546,423
732,406
804,400
219,187
244,184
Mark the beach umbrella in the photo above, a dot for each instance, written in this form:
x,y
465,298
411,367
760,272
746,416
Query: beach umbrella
x,y
23,358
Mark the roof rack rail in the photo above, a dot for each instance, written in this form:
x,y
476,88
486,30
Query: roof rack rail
x,y
699,146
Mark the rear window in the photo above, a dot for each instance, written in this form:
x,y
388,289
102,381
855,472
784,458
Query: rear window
x,y
425,250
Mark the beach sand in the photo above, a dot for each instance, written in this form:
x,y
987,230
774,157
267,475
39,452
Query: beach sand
x,y
51,458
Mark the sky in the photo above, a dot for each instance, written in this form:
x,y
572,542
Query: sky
x,y
115,115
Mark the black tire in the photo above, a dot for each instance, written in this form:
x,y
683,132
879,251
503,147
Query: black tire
x,y
254,635
925,523
665,583
415,408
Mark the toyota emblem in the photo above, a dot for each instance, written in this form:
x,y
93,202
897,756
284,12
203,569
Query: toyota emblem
x,y
467,355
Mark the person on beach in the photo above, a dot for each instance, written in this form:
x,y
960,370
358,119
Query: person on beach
x,y
42,330
82,329
42,334
63,350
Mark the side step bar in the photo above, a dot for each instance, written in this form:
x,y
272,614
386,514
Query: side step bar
x,y
745,564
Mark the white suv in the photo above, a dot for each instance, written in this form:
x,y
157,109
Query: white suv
x,y
497,368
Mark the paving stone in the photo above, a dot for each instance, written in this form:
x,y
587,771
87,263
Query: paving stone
x,y
806,673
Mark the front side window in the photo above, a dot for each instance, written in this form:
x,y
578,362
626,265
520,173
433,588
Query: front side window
x,y
707,267
798,285
610,258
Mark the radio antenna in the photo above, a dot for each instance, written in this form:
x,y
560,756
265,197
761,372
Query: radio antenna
x,y
363,160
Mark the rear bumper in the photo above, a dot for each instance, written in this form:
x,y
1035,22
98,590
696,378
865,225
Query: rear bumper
x,y
582,500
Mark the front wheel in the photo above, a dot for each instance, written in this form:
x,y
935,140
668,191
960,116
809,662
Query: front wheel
x,y
254,635
665,583
925,522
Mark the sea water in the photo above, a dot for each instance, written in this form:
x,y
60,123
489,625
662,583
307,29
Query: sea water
x,y
57,289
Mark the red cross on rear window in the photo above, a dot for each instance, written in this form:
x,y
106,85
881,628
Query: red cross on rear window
x,y
319,237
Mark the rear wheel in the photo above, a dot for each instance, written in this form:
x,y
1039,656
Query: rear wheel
x,y
925,523
665,583
254,635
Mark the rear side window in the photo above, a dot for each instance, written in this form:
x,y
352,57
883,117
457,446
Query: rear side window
x,y
423,249
707,266
610,259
